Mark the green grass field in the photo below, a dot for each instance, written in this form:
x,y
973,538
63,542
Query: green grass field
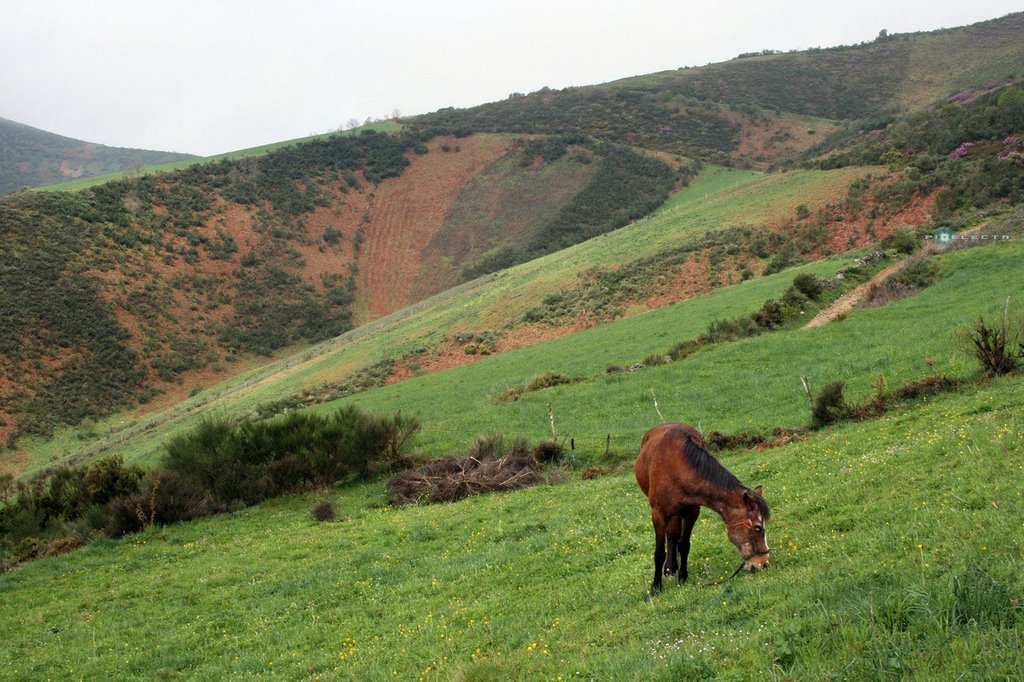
x,y
897,548
720,385
718,199
896,553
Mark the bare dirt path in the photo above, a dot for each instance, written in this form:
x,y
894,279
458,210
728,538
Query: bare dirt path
x,y
850,299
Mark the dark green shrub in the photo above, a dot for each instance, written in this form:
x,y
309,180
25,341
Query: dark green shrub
x,y
549,379
212,456
903,239
108,477
6,486
785,258
829,405
510,394
323,511
331,235
918,274
719,331
770,316
164,497
684,349
809,285
244,464
395,433
794,298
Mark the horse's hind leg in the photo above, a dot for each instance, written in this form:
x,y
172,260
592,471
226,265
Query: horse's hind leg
x,y
672,530
659,550
689,518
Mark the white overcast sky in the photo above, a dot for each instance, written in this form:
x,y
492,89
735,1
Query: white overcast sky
x,y
209,76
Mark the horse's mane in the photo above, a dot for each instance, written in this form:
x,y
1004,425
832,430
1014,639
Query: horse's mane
x,y
711,470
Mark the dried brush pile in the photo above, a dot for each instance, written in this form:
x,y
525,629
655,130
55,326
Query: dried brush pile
x,y
488,466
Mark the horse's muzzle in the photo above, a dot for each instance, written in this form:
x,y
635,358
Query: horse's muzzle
x,y
758,562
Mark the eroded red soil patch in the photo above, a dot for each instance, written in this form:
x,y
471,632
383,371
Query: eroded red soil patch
x,y
766,141
445,356
406,213
853,232
685,281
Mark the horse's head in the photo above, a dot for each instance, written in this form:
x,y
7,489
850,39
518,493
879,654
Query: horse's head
x,y
746,530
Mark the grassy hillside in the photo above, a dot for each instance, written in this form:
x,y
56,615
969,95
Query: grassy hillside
x,y
894,341
179,274
715,201
704,112
161,276
30,157
895,542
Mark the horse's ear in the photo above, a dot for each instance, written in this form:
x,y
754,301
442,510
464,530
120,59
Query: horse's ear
x,y
749,499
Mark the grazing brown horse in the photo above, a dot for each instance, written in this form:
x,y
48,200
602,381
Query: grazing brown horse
x,y
679,477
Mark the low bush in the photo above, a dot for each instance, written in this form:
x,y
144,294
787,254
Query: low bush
x,y
829,405
250,462
165,497
549,380
510,394
809,285
724,441
684,349
219,466
548,451
997,345
918,274
323,511
926,386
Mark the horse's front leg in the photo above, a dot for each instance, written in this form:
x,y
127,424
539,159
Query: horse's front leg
x,y
689,519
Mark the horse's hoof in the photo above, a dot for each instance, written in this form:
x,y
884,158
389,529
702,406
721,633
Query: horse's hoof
x,y
683,577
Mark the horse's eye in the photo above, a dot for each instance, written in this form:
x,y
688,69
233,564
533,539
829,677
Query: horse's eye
x,y
758,529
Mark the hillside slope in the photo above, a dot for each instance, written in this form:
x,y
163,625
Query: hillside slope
x,y
708,112
895,541
157,285
702,238
161,282
30,157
